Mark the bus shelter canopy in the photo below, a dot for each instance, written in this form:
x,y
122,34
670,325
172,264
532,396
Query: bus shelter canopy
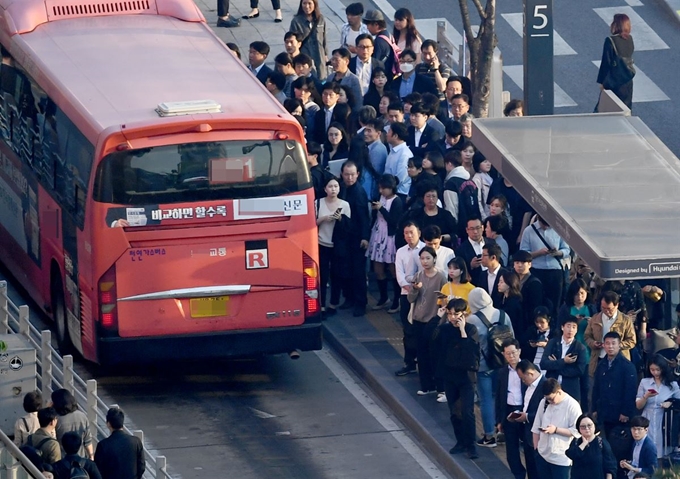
x,y
604,182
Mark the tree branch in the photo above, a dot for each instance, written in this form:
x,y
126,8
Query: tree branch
x,y
467,25
480,9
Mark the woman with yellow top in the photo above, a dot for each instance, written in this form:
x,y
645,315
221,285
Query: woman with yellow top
x,y
459,285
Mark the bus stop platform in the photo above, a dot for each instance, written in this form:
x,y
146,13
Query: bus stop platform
x,y
372,346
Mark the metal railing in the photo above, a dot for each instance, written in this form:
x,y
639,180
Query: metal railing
x,y
55,372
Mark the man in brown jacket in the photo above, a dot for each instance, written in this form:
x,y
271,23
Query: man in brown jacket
x,y
609,319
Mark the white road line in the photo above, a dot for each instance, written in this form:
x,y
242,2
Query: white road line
x,y
516,74
560,46
644,36
386,8
634,3
381,416
644,89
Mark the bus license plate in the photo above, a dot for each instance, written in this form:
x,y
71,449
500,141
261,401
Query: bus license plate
x,y
209,307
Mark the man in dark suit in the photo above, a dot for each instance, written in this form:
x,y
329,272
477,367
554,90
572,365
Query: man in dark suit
x,y
491,260
420,134
409,81
362,64
533,380
257,54
509,403
471,250
324,117
643,451
564,359
453,140
119,456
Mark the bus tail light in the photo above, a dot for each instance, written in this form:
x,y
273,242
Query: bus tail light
x,y
108,313
310,275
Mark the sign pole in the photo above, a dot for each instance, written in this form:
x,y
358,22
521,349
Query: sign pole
x,y
539,89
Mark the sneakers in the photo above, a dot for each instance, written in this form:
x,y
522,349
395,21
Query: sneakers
x,y
441,397
394,309
425,393
405,370
487,441
380,305
229,22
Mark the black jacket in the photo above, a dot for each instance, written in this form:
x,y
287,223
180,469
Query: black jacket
x,y
502,394
120,456
456,355
513,308
531,334
429,135
467,252
375,63
496,296
62,469
595,461
533,296
532,409
392,216
360,222
382,51
614,390
263,73
421,84
571,373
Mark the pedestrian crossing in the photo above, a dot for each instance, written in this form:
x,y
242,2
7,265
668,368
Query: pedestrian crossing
x,y
645,37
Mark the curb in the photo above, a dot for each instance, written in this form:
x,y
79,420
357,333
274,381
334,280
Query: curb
x,y
428,432
674,5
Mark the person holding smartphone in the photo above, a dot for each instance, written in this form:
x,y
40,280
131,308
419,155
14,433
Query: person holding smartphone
x,y
592,455
553,430
654,396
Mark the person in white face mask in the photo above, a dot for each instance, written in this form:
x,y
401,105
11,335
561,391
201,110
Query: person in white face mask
x,y
409,81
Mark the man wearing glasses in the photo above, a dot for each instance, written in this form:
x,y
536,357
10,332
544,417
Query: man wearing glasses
x,y
458,354
509,405
363,63
553,430
471,250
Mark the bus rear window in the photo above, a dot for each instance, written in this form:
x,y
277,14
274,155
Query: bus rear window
x,y
202,171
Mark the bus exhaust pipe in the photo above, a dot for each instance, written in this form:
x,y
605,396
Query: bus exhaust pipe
x,y
294,354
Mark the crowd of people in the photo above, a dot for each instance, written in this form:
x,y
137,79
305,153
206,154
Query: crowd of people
x,y
495,306
58,440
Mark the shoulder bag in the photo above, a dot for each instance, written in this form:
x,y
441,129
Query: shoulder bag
x,y
621,70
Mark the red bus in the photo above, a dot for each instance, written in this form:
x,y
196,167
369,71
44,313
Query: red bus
x,y
155,200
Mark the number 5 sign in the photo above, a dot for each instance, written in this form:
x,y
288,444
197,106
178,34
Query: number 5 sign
x,y
539,90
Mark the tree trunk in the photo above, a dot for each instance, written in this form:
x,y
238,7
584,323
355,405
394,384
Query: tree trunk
x,y
481,52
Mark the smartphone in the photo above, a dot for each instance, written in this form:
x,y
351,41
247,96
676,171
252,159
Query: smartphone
x,y
338,211
542,429
515,415
532,343
440,295
653,391
479,256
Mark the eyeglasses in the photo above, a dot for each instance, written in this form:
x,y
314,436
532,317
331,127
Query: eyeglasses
x,y
586,426
475,228
364,47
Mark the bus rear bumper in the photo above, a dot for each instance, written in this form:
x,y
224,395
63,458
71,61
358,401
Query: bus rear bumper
x,y
227,344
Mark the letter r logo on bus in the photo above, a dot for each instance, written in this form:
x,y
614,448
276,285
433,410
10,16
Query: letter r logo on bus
x,y
257,259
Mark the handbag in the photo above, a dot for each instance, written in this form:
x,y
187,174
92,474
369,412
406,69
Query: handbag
x,y
621,70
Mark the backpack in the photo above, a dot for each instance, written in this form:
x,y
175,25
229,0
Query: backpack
x,y
396,51
78,470
34,451
468,200
497,334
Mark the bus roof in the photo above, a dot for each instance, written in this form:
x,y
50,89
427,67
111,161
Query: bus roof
x,y
116,69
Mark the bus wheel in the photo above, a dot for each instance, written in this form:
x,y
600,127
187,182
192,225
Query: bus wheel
x,y
59,316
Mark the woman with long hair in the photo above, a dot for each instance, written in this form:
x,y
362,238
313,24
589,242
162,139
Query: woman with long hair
x,y
72,419
483,180
591,454
459,285
311,25
511,301
653,398
617,47
335,148
331,213
423,314
304,90
376,89
405,33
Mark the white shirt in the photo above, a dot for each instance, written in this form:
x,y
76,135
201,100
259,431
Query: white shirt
x,y
407,264
514,388
565,348
528,394
419,134
478,249
364,71
444,255
552,447
397,165
606,327
492,278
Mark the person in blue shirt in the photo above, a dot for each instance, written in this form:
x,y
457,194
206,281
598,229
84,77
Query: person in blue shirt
x,y
643,457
